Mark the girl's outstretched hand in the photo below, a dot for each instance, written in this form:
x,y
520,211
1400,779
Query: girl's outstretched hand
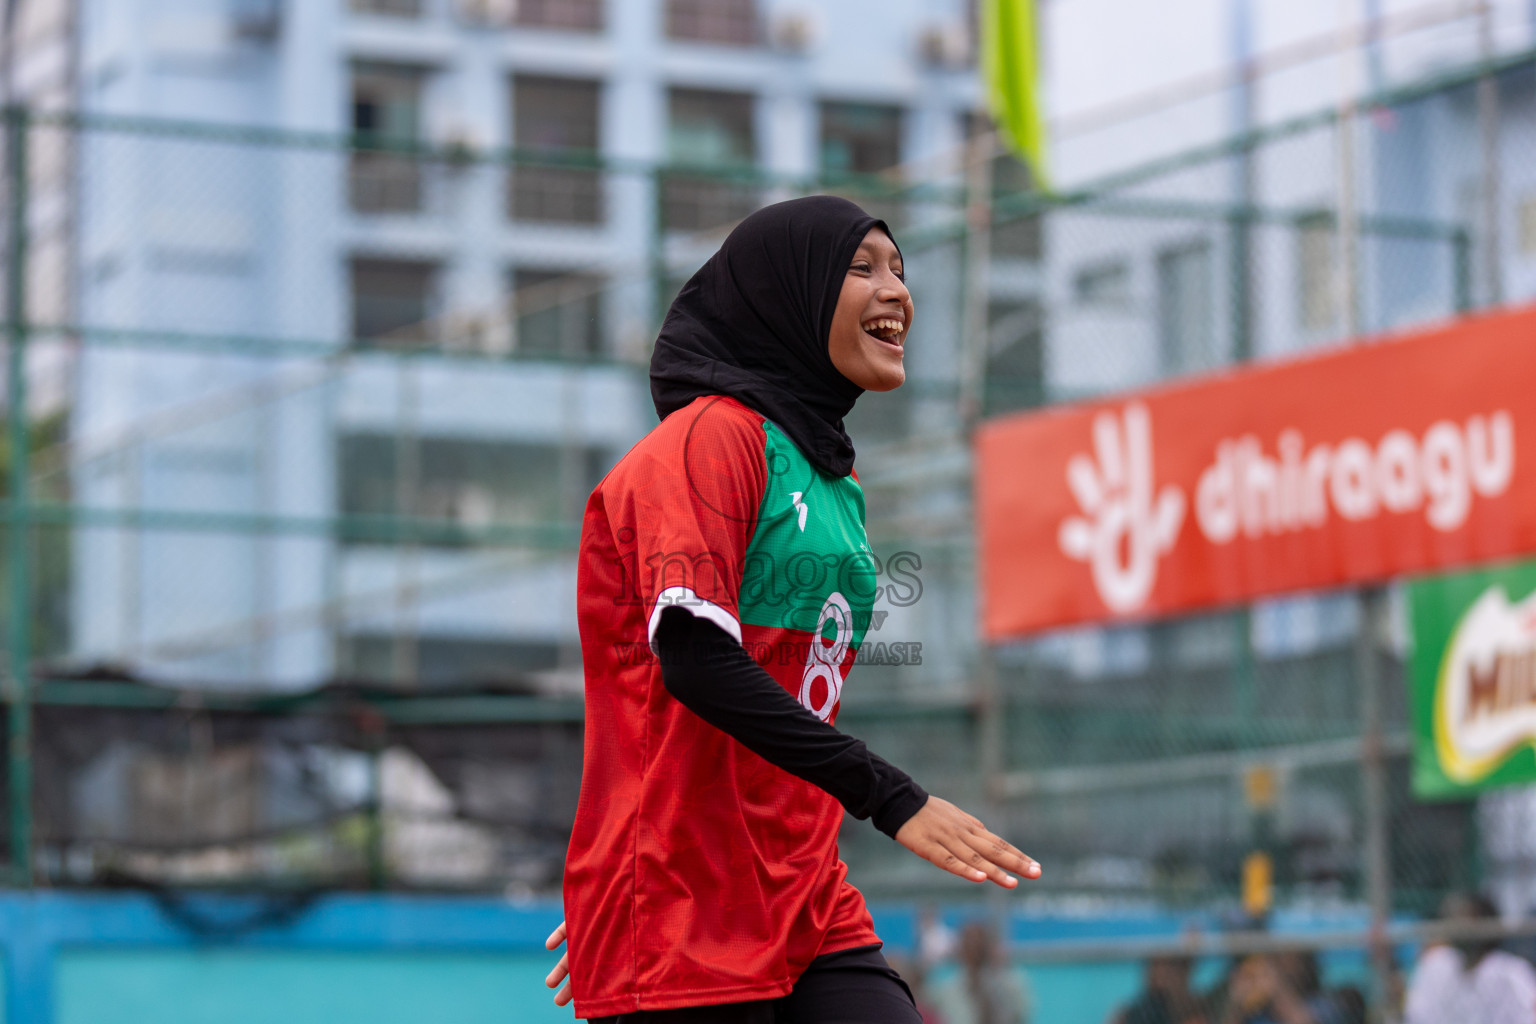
x,y
562,969
960,844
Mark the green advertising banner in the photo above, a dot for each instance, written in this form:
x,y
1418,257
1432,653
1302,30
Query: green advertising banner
x,y
1474,681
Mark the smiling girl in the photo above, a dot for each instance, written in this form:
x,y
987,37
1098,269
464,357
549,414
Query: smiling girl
x,y
703,881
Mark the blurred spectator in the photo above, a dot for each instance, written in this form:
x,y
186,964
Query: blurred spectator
x,y
935,939
1285,988
915,974
1471,980
1351,1003
986,990
1167,998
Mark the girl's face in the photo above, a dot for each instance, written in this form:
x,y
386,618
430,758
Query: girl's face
x,y
873,315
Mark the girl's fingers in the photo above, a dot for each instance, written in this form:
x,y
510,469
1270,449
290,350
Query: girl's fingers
x,y
562,969
936,853
978,860
959,859
949,838
1002,852
980,863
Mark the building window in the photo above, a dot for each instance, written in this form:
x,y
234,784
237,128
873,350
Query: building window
x,y
1316,262
1527,217
710,128
1103,284
1186,329
386,103
572,15
386,114
557,312
555,117
466,482
392,301
732,22
398,8
1015,357
859,138
708,132
670,287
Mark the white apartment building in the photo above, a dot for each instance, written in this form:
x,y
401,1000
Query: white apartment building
x,y
259,269
544,283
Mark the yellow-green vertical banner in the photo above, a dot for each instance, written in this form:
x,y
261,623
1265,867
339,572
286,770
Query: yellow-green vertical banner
x,y
1010,65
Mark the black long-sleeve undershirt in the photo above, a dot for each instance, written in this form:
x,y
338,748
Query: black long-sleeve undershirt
x,y
714,677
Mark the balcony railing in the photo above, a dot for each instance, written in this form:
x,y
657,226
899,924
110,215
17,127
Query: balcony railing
x,y
695,202
726,22
398,8
384,183
572,15
568,195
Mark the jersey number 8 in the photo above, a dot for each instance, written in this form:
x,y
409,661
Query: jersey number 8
x,y
825,663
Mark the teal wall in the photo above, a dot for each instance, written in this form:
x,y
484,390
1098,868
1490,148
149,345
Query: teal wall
x,y
1081,992
162,958
246,987
230,986
1058,993
113,957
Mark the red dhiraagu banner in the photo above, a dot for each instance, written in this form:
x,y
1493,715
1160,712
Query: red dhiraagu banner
x,y
1390,456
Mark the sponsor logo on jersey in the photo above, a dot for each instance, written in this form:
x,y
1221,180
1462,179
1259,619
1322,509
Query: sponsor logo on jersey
x,y
800,506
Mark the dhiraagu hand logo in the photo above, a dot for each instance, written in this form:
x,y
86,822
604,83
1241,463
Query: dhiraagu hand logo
x,y
1485,692
1127,523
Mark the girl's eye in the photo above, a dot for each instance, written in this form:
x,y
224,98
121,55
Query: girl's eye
x,y
861,267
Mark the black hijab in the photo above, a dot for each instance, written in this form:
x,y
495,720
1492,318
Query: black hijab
x,y
753,324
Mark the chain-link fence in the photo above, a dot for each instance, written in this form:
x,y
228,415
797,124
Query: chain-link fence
x,y
296,466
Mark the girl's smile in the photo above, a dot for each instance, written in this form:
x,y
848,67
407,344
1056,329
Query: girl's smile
x,y
874,313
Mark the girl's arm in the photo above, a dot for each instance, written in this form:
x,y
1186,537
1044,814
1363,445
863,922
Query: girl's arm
x,y
714,677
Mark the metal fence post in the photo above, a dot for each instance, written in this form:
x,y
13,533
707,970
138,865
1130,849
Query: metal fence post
x,y
1488,144
1461,255
17,691
661,298
975,270
375,854
1376,858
